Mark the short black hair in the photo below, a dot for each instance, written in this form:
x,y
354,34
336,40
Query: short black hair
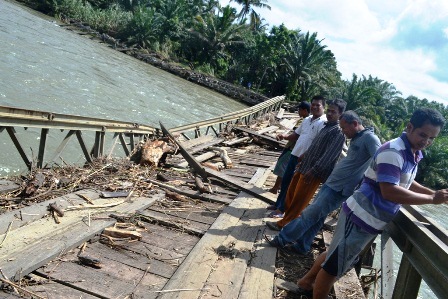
x,y
319,98
304,105
422,116
341,104
350,116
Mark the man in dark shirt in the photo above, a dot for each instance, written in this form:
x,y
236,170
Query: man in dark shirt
x,y
315,165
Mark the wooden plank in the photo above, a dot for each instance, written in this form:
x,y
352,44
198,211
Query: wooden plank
x,y
187,156
348,286
268,139
178,222
267,129
130,258
238,276
196,141
23,252
51,289
111,281
192,194
201,216
204,256
236,141
205,145
35,212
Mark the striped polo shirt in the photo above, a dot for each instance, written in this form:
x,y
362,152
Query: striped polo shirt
x,y
393,163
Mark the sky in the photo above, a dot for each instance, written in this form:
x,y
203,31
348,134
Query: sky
x,y
403,42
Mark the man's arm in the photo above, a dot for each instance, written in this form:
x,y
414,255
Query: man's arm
x,y
292,137
402,195
416,187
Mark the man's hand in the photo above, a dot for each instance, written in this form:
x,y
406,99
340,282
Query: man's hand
x,y
440,197
280,137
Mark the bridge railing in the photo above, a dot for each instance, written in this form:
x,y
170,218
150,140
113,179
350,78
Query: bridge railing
x,y
124,133
217,124
424,244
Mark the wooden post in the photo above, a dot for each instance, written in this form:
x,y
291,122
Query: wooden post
x,y
408,280
387,266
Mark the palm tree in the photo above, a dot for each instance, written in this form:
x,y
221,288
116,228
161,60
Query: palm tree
x,y
309,66
214,33
248,9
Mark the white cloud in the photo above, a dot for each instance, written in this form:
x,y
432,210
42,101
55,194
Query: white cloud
x,y
361,35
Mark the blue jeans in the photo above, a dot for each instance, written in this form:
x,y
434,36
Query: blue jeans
x,y
287,177
303,229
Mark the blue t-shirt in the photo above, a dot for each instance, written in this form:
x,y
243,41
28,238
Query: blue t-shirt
x,y
393,163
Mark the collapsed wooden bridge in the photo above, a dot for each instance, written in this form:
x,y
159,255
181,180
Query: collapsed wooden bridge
x,y
122,231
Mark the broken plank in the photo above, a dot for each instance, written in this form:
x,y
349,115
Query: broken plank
x,y
192,194
201,158
271,140
206,145
190,226
259,193
24,252
188,144
236,141
200,216
267,129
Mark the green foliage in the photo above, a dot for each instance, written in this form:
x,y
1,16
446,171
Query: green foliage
x,y
144,28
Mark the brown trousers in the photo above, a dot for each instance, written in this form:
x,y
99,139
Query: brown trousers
x,y
298,197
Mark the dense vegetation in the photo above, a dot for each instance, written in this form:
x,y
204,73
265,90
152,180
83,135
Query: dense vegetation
x,y
236,45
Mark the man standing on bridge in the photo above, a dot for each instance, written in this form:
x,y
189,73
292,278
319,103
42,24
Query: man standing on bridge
x,y
303,136
388,183
347,174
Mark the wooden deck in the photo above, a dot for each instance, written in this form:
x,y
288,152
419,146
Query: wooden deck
x,y
188,249
173,242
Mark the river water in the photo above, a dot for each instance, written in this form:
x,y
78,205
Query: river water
x,y
46,67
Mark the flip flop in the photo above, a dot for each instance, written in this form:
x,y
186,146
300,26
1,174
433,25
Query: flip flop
x,y
275,214
271,208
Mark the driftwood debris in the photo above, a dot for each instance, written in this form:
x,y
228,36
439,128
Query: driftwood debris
x,y
57,210
224,156
89,261
121,233
153,151
201,186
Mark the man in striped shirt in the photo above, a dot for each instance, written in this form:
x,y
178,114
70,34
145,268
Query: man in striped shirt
x,y
388,183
